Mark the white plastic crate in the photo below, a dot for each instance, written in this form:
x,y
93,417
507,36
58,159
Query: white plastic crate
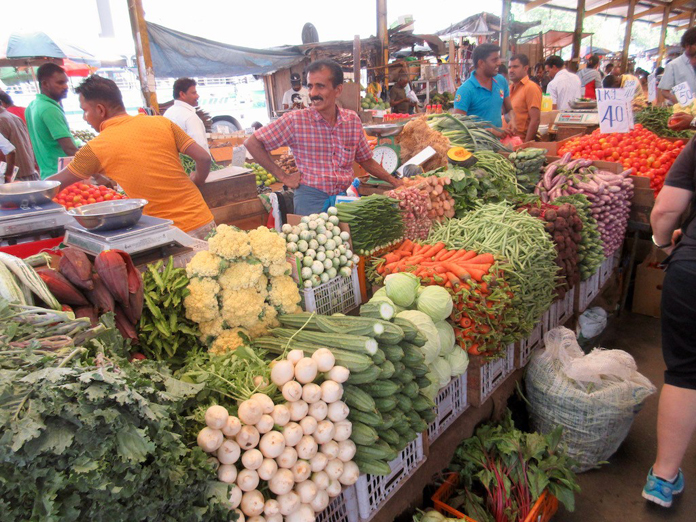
x,y
527,346
489,376
605,271
545,322
562,309
450,402
337,296
587,291
343,508
372,491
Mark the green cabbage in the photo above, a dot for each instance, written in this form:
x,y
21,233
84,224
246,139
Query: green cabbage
x,y
447,340
431,391
458,361
442,369
402,288
425,325
436,302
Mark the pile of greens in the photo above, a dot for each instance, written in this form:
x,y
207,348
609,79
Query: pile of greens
x,y
503,471
190,165
655,119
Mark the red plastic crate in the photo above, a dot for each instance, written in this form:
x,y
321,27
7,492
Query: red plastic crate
x,y
24,250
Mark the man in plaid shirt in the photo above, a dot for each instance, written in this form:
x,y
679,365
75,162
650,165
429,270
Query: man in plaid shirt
x,y
325,141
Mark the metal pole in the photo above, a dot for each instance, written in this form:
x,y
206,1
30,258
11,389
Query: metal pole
x,y
627,36
142,51
383,36
504,29
663,35
577,35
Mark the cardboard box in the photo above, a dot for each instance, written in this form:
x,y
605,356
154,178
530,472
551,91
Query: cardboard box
x,y
548,117
647,292
641,205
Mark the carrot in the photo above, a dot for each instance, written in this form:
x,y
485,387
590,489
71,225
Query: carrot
x,y
476,266
463,255
473,349
476,274
448,255
440,254
453,279
484,329
457,270
407,246
392,258
434,249
391,266
448,285
483,288
465,322
442,270
380,269
483,258
417,248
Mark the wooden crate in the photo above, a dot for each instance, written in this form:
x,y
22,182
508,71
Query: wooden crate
x,y
227,186
247,215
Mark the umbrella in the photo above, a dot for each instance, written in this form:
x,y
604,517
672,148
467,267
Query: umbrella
x,y
37,48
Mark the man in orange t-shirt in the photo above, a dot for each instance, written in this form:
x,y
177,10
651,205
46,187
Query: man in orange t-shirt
x,y
525,96
141,154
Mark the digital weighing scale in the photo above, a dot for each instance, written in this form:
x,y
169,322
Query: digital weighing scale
x,y
587,117
30,223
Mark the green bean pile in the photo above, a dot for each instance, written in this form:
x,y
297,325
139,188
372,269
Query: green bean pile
x,y
655,120
470,132
497,228
590,249
375,223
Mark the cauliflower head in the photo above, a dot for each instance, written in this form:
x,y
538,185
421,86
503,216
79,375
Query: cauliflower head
x,y
267,246
228,341
202,304
279,269
229,243
241,275
211,328
241,307
268,320
284,294
205,264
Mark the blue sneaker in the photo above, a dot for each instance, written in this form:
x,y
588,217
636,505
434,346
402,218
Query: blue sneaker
x,y
660,491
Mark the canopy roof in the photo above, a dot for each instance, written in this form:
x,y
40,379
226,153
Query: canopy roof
x,y
483,24
24,49
553,39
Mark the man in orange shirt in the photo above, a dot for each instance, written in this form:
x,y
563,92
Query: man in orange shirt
x,y
525,96
141,154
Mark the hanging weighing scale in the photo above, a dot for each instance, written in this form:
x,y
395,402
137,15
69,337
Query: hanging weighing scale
x,y
387,153
32,222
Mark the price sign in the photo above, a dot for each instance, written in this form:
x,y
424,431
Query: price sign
x,y
630,88
652,88
615,113
683,94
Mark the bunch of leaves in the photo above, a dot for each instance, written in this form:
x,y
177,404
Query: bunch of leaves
x,y
100,440
190,165
503,471
165,333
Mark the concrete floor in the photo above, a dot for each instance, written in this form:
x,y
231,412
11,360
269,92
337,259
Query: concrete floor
x,y
612,493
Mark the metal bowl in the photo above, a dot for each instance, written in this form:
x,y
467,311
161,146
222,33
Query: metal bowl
x,y
109,215
384,129
25,194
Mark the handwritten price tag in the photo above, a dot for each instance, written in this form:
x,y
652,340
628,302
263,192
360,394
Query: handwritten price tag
x,y
683,93
615,113
630,88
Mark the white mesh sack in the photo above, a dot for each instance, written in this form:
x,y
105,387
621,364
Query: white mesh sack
x,y
594,397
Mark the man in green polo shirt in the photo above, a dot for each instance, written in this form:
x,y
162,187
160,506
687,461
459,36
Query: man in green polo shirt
x,y
48,129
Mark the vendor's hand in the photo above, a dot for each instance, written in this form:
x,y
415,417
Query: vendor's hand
x,y
498,133
676,236
396,182
680,121
292,180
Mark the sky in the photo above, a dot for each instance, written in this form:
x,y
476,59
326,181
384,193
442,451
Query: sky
x,y
258,24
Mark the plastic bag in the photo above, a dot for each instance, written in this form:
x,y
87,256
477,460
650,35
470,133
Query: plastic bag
x,y
592,322
594,397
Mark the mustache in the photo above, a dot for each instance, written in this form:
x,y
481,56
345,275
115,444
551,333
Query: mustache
x,y
317,98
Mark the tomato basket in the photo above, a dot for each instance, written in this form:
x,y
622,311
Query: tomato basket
x,y
543,510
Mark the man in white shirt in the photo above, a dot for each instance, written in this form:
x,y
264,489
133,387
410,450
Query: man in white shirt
x,y
9,151
297,97
183,112
682,69
564,86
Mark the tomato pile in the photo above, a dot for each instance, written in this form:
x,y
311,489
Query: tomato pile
x,y
79,194
641,150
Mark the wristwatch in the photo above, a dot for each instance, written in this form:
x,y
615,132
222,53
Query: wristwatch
x,y
661,247
693,124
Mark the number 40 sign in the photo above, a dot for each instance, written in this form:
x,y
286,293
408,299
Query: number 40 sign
x,y
615,111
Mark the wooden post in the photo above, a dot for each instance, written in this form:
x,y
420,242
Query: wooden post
x,y
577,35
142,51
505,30
627,35
383,36
692,19
452,60
356,66
663,35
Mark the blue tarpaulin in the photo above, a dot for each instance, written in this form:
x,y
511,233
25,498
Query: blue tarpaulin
x,y
176,54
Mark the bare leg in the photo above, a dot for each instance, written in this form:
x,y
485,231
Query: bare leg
x,y
676,421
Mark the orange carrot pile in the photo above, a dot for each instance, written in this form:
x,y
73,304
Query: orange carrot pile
x,y
482,297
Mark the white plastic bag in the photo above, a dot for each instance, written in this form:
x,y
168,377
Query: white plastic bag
x,y
592,322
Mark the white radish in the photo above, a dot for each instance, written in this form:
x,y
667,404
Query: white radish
x,y
248,437
344,429
282,372
228,452
209,439
292,433
282,482
257,518
340,374
334,488
311,393
304,513
271,507
275,518
338,411
298,410
235,496
260,382
346,450
330,449
289,503
232,426
320,502
305,370
307,490
252,459
268,469
281,414
272,444
331,391
334,469
252,503
216,417
248,479
265,424
325,432
295,356
318,462
309,425
319,410
321,479
227,473
307,447
265,401
350,474
288,458
324,359
292,391
301,471
249,412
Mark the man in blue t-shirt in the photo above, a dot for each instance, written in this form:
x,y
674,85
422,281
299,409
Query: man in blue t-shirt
x,y
486,93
